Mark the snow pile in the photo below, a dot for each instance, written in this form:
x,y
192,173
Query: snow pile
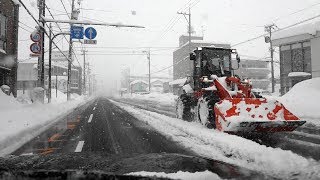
x,y
205,175
8,102
20,123
229,148
303,100
162,98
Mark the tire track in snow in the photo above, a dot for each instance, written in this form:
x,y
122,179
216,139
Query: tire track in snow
x,y
230,148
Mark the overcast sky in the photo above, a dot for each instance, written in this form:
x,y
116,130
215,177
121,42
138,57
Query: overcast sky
x,y
229,21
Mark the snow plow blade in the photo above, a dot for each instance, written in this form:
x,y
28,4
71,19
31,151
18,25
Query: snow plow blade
x,y
254,115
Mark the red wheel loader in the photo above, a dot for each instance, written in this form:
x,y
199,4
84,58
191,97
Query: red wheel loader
x,y
217,98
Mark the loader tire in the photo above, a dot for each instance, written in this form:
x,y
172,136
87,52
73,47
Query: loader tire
x,y
204,111
183,108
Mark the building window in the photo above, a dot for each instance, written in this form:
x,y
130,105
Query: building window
x,y
3,32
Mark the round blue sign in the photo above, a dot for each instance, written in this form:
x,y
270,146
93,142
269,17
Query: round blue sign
x,y
90,33
35,48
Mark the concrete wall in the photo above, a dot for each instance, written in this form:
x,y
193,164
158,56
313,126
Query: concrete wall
x,y
315,56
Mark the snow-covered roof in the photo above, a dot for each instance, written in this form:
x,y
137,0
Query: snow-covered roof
x,y
305,29
298,74
179,82
138,81
212,44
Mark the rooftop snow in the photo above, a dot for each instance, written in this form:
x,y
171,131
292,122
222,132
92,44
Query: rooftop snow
x,y
310,29
138,81
298,74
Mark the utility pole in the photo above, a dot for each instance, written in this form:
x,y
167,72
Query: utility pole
x,y
268,39
70,56
41,6
84,71
149,64
189,27
49,78
149,67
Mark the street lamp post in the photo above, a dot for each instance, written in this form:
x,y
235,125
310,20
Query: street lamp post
x,y
50,57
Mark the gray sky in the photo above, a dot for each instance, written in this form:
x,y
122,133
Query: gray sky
x,y
230,21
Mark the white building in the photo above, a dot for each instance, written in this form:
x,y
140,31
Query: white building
x,y
299,54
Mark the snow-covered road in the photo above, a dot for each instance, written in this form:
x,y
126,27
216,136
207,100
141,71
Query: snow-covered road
x,y
229,148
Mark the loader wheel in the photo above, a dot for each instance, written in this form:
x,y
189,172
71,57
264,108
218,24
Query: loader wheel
x,y
183,108
205,113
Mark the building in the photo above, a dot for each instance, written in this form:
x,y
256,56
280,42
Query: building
x,y
299,54
28,77
9,19
255,70
157,85
182,66
139,86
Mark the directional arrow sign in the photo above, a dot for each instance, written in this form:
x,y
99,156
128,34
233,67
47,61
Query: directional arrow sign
x,y
90,33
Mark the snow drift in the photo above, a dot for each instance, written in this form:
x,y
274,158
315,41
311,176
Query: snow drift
x,y
303,100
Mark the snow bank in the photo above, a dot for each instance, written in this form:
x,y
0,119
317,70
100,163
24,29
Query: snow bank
x,y
229,148
205,175
8,102
20,123
166,99
303,100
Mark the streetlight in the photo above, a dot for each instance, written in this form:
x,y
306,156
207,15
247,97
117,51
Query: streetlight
x,y
50,57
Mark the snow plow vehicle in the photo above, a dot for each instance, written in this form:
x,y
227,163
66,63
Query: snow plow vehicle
x,y
219,99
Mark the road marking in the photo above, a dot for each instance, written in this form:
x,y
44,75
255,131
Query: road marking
x,y
90,118
79,146
94,108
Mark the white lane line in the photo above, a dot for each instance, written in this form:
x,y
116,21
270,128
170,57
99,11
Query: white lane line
x,y
94,108
79,146
90,118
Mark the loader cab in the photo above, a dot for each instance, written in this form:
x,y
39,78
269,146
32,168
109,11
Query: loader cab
x,y
213,61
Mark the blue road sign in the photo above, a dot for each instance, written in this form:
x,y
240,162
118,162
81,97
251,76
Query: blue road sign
x,y
35,48
90,33
76,32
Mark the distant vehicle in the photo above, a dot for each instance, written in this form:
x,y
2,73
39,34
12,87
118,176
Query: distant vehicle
x,y
219,99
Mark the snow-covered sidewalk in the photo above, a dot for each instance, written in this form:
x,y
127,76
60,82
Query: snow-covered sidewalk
x,y
22,122
229,148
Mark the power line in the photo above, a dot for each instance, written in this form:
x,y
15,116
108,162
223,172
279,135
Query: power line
x,y
64,7
46,33
263,35
298,11
63,35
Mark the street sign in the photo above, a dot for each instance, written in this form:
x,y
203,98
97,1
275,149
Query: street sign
x,y
35,37
90,33
35,48
90,41
35,55
76,32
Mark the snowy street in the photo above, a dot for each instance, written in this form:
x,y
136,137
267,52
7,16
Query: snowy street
x,y
105,128
161,89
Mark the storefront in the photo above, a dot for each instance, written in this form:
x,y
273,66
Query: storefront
x,y
9,19
299,54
